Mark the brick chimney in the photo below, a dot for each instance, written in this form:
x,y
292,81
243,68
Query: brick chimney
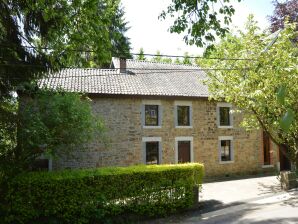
x,y
122,65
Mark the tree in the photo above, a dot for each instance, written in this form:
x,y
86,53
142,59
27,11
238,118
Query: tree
x,y
177,61
263,84
186,59
141,55
55,33
51,123
199,20
283,11
157,57
38,36
167,60
120,43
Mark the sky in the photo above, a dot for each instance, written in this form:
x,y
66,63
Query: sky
x,y
151,34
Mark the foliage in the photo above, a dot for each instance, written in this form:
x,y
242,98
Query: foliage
x,y
120,43
141,55
177,61
264,84
200,20
49,123
167,60
54,33
284,10
186,59
157,57
87,196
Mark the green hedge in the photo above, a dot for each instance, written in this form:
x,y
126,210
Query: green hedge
x,y
91,195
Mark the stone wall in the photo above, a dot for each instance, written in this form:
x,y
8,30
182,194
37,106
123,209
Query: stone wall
x,y
123,120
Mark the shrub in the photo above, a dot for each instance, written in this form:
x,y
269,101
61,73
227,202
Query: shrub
x,y
91,195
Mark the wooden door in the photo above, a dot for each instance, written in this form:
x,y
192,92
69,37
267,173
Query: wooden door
x,y
184,152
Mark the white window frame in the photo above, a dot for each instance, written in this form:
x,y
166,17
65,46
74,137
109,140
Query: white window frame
x,y
151,139
151,102
218,115
182,103
220,138
184,138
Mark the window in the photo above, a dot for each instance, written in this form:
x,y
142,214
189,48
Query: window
x,y
152,150
183,149
152,156
226,149
224,116
151,115
183,114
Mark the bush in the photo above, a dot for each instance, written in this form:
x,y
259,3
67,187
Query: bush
x,y
91,195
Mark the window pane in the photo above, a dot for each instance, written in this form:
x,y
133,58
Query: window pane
x,y
225,150
183,115
151,115
224,116
152,155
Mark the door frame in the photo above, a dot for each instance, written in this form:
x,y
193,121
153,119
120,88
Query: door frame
x,y
184,138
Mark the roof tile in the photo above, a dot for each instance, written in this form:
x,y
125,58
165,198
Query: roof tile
x,y
142,78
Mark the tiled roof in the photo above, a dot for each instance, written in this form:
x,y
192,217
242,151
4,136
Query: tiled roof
x,y
142,78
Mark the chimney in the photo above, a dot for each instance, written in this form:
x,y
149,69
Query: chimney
x,y
122,65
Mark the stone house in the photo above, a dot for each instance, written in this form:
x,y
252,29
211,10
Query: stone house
x,y
160,113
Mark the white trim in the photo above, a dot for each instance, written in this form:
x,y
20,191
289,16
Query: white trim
x,y
151,139
151,127
183,127
151,102
184,138
220,138
267,166
226,162
222,104
225,138
182,103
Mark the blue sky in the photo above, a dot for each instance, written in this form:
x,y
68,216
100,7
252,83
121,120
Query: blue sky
x,y
150,33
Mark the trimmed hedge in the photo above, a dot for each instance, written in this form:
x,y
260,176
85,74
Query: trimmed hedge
x,y
92,195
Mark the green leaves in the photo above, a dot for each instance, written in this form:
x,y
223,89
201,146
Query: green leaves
x,y
281,94
97,195
198,19
57,123
287,120
263,84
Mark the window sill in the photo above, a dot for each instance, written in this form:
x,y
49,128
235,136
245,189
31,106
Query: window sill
x,y
267,166
151,127
183,126
225,127
226,162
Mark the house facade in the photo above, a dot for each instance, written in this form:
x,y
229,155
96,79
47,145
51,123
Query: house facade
x,y
158,113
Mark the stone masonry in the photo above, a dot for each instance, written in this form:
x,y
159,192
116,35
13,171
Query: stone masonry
x,y
123,120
